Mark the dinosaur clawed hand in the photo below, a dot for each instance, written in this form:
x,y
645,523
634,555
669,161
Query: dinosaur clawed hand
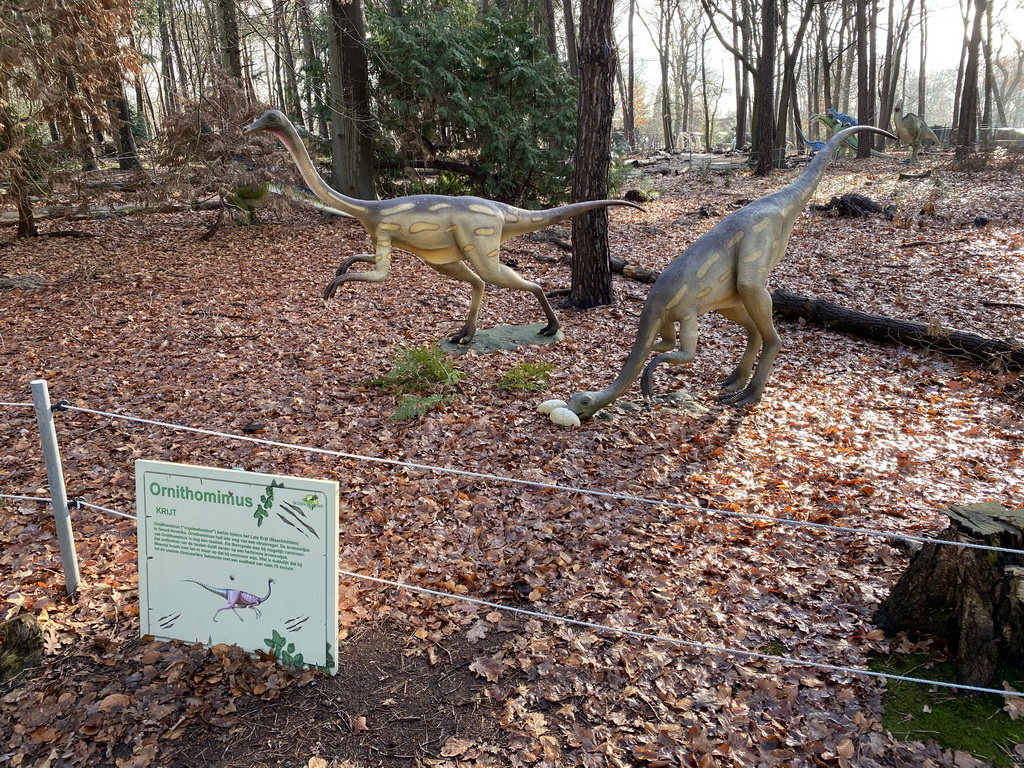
x,y
332,287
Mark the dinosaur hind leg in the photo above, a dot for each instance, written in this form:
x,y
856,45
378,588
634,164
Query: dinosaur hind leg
x,y
757,302
495,273
740,375
457,270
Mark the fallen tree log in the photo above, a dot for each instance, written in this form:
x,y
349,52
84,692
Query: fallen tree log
x,y
75,213
993,353
998,354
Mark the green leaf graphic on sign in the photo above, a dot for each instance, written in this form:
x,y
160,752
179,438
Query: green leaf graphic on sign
x,y
266,502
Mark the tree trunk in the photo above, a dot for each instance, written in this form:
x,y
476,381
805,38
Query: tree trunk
x,y
124,139
864,106
571,50
629,102
591,271
967,122
169,91
352,170
230,42
922,80
764,90
970,597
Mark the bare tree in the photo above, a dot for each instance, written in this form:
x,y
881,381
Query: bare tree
x,y
967,121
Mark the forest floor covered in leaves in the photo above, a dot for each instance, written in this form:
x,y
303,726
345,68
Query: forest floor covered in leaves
x,y
143,318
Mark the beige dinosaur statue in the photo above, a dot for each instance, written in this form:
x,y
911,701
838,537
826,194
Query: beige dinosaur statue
x,y
912,130
724,271
445,232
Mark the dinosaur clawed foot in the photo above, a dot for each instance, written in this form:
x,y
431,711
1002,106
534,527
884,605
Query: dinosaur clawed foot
x,y
550,329
740,399
332,288
462,336
734,382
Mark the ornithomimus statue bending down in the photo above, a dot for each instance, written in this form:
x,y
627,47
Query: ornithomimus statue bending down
x,y
724,271
445,232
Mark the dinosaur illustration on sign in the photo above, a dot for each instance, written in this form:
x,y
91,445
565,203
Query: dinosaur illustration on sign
x,y
236,598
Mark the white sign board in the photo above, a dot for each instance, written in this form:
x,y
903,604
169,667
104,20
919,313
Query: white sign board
x,y
242,558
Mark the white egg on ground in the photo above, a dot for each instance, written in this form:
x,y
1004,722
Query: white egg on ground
x,y
564,417
549,405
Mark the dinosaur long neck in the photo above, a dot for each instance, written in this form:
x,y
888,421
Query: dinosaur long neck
x,y
803,188
647,332
312,177
270,583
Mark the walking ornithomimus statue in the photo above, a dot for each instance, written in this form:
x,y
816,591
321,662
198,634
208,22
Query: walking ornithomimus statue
x,y
912,130
445,232
724,271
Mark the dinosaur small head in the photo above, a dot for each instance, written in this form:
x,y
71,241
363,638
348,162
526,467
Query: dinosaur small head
x,y
584,404
271,120
898,106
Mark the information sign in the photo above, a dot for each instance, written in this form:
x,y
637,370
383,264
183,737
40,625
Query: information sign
x,y
228,556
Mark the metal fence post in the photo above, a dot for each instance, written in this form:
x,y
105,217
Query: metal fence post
x,y
55,477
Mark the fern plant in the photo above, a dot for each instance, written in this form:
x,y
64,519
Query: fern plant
x,y
423,376
526,377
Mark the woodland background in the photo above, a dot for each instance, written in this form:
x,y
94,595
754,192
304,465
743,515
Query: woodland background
x,y
132,287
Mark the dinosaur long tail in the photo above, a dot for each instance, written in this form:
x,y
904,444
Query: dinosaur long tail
x,y
207,587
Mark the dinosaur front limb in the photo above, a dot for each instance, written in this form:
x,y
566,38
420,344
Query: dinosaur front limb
x,y
683,356
379,273
367,258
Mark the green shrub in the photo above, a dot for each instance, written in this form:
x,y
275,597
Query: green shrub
x,y
530,377
418,370
422,376
415,407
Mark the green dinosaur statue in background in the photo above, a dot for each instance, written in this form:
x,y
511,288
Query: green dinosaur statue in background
x,y
837,123
912,130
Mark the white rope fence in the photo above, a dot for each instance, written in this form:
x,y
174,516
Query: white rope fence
x,y
549,486
603,628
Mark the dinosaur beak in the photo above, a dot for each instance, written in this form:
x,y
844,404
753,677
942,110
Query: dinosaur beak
x,y
257,125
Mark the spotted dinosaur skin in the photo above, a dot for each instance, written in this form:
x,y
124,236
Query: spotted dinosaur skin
x,y
912,130
445,232
724,271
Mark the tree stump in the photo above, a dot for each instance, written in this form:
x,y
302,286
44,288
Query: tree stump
x,y
972,598
21,645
